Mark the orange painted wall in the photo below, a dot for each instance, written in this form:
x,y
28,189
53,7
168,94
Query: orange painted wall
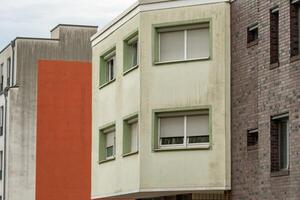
x,y
63,159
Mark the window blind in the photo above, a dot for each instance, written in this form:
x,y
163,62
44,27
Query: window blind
x,y
172,46
171,127
197,125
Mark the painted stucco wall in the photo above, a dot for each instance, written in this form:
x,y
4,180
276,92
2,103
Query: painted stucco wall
x,y
188,84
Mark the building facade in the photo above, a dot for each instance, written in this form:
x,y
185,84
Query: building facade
x,y
161,102
43,136
265,99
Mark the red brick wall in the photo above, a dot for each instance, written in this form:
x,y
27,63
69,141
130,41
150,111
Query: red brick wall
x,y
258,93
63,159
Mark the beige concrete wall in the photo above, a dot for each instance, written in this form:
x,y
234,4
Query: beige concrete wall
x,y
188,84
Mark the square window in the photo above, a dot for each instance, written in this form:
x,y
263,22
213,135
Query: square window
x,y
252,34
184,42
279,143
108,67
252,138
130,135
130,52
182,129
107,143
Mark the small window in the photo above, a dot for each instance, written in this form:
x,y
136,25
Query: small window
x,y
181,43
1,77
274,36
107,143
295,27
252,34
183,129
108,67
1,119
279,143
8,72
131,52
252,138
131,135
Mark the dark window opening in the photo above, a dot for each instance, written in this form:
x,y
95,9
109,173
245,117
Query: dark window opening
x,y
252,34
274,36
252,138
294,19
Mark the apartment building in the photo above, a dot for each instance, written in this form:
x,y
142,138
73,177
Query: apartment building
x,y
45,116
161,102
265,99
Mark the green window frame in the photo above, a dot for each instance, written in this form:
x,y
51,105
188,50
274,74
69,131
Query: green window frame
x,y
107,153
131,52
188,31
108,67
186,141
130,126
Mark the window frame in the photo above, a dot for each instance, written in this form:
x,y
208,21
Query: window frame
x,y
103,131
173,25
132,38
103,71
127,122
156,113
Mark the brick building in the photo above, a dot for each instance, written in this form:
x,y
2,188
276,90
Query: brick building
x,y
265,99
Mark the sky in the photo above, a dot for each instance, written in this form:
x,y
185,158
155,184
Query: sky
x,y
35,18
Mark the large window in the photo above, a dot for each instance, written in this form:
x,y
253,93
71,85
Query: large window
x,y
279,143
131,135
107,143
183,129
108,67
295,27
130,52
180,43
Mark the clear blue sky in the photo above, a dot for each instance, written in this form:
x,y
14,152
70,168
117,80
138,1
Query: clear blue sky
x,y
35,18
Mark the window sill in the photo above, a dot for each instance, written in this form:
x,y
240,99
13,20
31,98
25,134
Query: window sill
x,y
130,69
295,58
202,147
107,160
181,61
284,172
274,65
107,83
130,154
253,43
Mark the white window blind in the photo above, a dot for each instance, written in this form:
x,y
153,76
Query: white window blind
x,y
171,127
110,139
134,136
171,46
198,43
197,125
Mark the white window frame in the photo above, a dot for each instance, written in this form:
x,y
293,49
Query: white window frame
x,y
130,122
185,30
185,138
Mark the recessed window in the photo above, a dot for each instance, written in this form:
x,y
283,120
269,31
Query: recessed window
x,y
179,43
1,77
108,67
295,27
107,143
252,138
183,129
1,119
131,135
252,34
8,72
274,36
131,52
279,143
1,164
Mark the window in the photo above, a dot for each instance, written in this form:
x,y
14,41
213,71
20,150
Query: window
x,y
183,129
1,164
131,52
131,135
252,34
252,139
107,143
1,119
1,77
279,143
179,43
295,27
274,36
108,67
8,72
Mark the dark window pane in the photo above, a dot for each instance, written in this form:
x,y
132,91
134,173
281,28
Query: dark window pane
x,y
198,139
172,140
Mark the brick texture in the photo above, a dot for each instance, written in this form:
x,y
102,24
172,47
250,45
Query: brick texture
x,y
259,92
